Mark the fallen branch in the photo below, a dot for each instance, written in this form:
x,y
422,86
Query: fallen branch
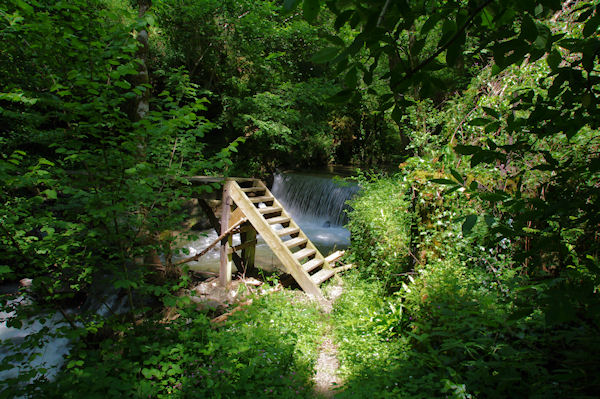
x,y
343,268
334,257
226,233
222,318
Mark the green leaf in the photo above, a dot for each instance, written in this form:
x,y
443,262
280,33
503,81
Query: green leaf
x,y
446,182
24,6
592,25
5,270
491,112
554,59
455,50
492,127
528,29
541,42
457,176
468,224
325,55
351,78
430,24
466,149
50,194
125,284
149,373
311,10
397,114
479,121
289,5
341,97
123,84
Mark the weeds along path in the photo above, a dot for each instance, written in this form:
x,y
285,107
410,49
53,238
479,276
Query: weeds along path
x,y
326,376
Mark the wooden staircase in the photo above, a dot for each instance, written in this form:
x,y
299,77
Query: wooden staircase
x,y
299,256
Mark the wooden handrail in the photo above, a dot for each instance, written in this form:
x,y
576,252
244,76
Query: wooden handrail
x,y
227,232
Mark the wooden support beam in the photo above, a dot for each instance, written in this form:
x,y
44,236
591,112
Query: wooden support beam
x,y
217,240
242,246
248,238
214,221
235,216
225,267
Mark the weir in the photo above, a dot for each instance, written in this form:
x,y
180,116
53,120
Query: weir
x,y
314,198
317,202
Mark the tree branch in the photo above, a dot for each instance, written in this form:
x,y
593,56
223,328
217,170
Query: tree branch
x,y
449,42
383,11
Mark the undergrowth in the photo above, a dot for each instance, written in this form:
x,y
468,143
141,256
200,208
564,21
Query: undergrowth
x,y
268,350
461,323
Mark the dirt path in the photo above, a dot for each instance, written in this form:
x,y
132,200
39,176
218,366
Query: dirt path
x,y
326,377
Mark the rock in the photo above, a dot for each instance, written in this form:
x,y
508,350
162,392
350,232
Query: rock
x,y
25,282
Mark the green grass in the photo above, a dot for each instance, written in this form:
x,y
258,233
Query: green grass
x,y
267,350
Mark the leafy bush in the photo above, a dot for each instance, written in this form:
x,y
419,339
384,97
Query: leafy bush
x,y
380,222
267,350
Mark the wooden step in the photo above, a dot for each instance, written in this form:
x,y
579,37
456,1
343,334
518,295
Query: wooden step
x,y
321,276
279,220
266,198
312,265
270,209
304,253
253,189
295,242
287,231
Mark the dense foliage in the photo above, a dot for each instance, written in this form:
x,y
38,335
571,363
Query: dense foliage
x,y
477,259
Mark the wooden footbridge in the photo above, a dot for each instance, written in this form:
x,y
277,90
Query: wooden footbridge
x,y
249,208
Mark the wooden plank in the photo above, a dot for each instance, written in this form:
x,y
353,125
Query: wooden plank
x,y
322,275
243,245
287,231
235,216
295,242
225,266
275,243
263,198
270,209
304,253
216,179
249,253
312,264
334,257
217,227
278,220
253,189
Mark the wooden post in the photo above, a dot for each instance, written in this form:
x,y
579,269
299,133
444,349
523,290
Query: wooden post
x,y
225,268
248,235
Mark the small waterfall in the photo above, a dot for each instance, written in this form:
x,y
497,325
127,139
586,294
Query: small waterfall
x,y
317,204
314,197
